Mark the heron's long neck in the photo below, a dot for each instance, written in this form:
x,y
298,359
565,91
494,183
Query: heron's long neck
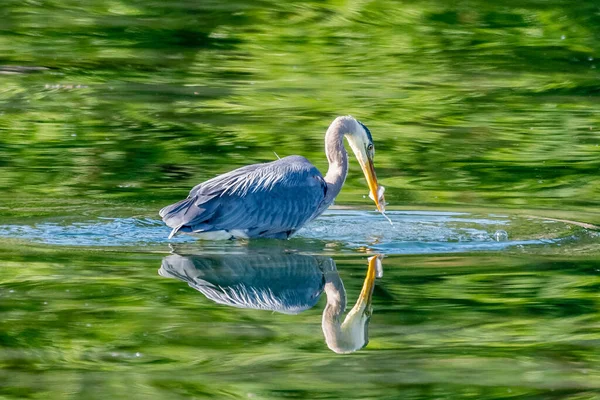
x,y
337,156
336,304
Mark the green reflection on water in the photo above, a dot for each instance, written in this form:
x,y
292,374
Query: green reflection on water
x,y
104,324
468,102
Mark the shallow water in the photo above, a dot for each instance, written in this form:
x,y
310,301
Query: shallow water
x,y
409,232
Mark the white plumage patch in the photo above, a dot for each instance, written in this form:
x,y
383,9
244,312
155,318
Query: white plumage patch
x,y
222,235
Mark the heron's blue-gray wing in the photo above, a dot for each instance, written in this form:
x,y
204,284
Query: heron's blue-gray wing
x,y
261,199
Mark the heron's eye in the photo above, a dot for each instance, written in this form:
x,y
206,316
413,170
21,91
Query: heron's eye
x,y
370,147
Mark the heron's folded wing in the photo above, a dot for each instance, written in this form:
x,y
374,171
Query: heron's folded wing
x,y
280,196
265,198
262,198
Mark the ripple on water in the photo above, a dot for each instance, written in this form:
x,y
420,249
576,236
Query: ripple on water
x,y
413,232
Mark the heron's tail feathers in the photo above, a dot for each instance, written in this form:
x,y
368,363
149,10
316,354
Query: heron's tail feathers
x,y
174,215
187,215
172,210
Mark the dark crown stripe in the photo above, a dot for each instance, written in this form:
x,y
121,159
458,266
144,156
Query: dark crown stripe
x,y
366,130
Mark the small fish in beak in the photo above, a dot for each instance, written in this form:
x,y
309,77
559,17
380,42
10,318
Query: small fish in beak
x,y
380,202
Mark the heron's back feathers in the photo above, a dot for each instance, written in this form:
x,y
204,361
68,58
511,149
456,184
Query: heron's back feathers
x,y
263,200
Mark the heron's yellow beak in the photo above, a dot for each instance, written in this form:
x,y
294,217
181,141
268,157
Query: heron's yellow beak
x,y
369,171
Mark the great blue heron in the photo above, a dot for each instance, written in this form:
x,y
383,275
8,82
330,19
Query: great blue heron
x,y
285,283
275,199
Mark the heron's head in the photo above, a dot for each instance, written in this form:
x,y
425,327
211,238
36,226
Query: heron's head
x,y
361,142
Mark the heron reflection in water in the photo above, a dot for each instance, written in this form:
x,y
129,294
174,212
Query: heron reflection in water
x,y
275,199
285,283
